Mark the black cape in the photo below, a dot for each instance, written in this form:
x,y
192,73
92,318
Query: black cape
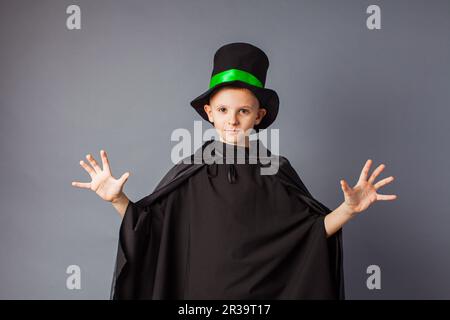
x,y
213,230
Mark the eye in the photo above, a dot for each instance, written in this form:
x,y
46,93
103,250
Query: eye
x,y
245,111
222,109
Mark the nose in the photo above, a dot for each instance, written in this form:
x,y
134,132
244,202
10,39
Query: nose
x,y
233,119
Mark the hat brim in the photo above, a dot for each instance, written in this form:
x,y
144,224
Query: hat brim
x,y
268,99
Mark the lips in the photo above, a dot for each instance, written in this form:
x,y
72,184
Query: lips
x,y
232,131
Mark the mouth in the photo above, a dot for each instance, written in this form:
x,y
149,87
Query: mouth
x,y
232,131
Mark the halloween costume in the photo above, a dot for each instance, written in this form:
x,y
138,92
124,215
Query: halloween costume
x,y
219,230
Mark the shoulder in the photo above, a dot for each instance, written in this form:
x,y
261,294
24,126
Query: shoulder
x,y
289,176
284,166
177,170
173,179
284,162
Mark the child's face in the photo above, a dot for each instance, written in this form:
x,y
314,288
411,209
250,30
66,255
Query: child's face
x,y
234,111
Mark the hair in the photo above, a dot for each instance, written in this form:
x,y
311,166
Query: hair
x,y
230,86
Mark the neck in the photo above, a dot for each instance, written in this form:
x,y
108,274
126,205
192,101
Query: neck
x,y
245,143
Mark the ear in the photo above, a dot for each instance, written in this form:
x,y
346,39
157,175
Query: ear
x,y
208,111
261,113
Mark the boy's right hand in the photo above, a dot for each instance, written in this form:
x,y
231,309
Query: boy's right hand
x,y
103,183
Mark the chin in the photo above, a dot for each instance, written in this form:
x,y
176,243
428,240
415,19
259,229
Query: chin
x,y
234,140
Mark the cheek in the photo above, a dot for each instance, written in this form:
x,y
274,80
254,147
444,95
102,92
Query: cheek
x,y
219,120
218,117
213,117
252,117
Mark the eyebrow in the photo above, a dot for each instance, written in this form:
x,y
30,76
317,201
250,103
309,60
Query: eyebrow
x,y
224,105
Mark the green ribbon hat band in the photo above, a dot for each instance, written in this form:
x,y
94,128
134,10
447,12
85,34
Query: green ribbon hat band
x,y
232,75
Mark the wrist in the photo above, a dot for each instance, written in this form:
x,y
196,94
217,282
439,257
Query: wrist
x,y
119,198
347,210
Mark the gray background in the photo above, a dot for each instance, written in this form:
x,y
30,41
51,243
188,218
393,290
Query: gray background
x,y
124,82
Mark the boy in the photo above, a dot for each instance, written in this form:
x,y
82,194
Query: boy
x,y
221,230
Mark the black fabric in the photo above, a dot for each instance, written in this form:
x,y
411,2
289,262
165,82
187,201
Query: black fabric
x,y
224,231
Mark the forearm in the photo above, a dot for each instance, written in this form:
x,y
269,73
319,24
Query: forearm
x,y
337,218
120,204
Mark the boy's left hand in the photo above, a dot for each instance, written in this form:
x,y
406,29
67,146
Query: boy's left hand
x,y
364,193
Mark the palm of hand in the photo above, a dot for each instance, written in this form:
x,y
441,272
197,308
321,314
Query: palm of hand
x,y
106,186
103,183
364,193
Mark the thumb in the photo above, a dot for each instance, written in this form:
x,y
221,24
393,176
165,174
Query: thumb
x,y
124,177
344,186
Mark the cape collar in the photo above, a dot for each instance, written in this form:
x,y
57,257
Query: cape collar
x,y
214,151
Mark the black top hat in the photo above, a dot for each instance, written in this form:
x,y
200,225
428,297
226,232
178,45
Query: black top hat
x,y
241,65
